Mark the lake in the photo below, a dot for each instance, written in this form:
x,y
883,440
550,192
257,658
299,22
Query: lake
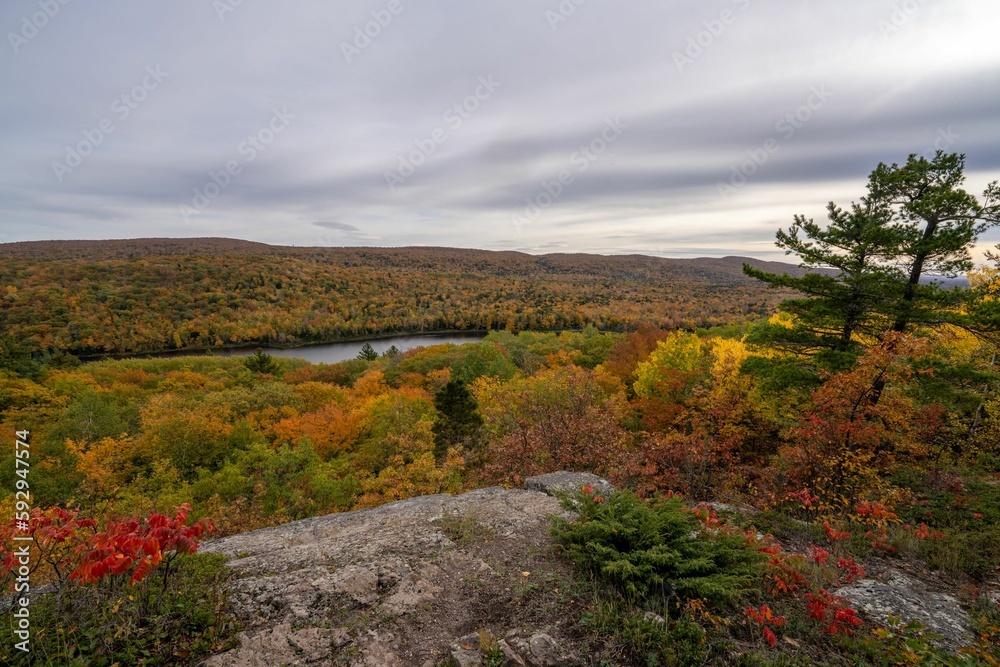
x,y
331,353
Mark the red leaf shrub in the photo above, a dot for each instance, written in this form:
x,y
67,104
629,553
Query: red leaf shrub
x,y
71,549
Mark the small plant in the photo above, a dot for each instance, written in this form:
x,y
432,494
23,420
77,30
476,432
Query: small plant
x,y
492,654
911,644
767,620
833,613
651,552
524,587
464,530
645,639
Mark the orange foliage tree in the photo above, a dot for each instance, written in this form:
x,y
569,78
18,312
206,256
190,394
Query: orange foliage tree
x,y
632,350
332,429
560,419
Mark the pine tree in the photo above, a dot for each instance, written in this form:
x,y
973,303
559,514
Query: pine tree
x,y
939,223
458,420
838,307
915,221
368,352
262,362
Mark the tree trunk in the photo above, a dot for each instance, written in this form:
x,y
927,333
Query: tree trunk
x,y
909,293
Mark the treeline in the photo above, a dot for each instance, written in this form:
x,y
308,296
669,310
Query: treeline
x,y
299,296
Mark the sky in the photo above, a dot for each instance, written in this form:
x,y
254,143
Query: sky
x,y
660,128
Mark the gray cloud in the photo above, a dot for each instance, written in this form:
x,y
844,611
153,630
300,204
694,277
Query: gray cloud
x,y
898,82
337,226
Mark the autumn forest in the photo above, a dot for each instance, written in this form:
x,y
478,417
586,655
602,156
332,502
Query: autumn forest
x,y
89,298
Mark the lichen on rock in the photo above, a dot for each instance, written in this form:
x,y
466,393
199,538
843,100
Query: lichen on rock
x,y
394,586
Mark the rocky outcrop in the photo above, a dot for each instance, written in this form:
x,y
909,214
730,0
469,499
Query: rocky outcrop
x,y
898,594
568,482
468,580
413,583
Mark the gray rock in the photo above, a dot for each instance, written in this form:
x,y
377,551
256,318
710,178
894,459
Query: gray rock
x,y
725,507
511,657
396,562
465,652
911,600
545,652
994,597
568,482
378,651
340,637
313,644
653,618
415,589
358,583
277,646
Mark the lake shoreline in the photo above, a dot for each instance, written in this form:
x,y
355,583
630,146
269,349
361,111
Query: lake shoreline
x,y
227,350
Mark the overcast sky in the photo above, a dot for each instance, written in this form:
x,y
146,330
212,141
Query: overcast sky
x,y
663,128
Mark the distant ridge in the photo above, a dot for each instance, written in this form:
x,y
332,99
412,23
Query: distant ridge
x,y
125,248
418,256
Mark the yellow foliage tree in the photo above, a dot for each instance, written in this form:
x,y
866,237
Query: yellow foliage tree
x,y
108,464
419,477
679,355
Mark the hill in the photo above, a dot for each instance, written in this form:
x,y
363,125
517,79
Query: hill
x,y
143,295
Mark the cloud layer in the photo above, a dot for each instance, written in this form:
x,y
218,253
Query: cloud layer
x,y
580,125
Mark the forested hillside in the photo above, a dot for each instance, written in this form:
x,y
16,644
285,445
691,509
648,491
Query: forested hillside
x,y
131,296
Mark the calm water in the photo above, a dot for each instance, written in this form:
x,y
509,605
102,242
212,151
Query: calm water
x,y
333,352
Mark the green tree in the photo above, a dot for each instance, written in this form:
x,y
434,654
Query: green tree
x,y
458,421
262,362
869,264
839,306
939,223
15,357
92,416
368,352
484,360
